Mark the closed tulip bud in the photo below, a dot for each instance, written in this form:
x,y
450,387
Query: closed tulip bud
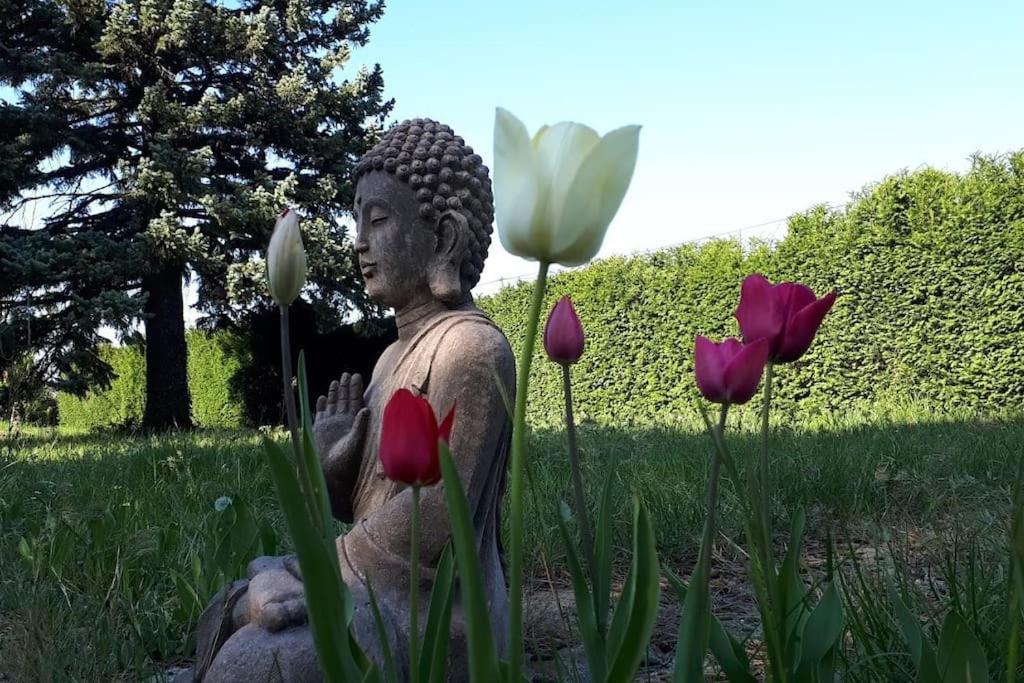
x,y
563,333
286,259
556,194
787,315
730,371
409,436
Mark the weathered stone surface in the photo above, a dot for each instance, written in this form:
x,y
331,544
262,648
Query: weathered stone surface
x,y
423,210
255,654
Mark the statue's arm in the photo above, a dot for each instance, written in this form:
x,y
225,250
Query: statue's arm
x,y
465,373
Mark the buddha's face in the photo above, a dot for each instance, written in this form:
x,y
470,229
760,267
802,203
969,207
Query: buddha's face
x,y
394,244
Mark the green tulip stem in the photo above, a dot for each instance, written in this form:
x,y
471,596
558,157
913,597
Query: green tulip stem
x,y
576,472
515,626
414,588
713,478
293,418
766,523
775,610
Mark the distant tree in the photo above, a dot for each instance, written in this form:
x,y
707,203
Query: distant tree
x,y
147,141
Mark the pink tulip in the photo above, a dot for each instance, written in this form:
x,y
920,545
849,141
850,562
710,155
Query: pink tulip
x,y
563,333
408,439
730,371
787,315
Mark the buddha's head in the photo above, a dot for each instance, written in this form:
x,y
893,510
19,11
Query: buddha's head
x,y
424,213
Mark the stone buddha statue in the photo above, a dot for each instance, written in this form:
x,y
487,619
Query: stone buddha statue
x,y
423,210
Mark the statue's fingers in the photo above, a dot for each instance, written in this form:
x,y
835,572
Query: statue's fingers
x,y
343,392
355,392
321,406
291,563
332,398
359,424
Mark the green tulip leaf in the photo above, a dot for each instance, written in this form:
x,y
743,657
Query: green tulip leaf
x,y
792,589
921,651
483,653
728,651
961,657
312,461
823,628
593,639
601,573
643,605
327,596
694,622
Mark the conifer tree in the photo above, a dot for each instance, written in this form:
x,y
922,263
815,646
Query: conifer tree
x,y
148,141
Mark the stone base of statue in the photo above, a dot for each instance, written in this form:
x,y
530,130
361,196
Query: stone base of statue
x,y
232,648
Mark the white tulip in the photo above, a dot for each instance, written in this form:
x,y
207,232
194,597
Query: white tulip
x,y
556,193
286,259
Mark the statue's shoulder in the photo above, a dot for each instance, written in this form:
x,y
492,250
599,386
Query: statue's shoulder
x,y
472,336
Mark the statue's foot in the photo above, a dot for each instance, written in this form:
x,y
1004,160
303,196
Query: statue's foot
x,y
255,654
276,598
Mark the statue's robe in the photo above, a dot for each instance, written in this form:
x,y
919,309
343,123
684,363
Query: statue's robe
x,y
458,357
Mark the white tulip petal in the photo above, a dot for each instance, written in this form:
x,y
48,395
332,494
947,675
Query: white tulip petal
x,y
560,150
535,141
595,195
286,259
516,186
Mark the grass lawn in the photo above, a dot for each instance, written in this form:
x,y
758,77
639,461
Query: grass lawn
x,y
110,541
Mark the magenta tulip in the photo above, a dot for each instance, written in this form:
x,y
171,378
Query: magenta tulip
x,y
787,315
563,333
409,439
730,371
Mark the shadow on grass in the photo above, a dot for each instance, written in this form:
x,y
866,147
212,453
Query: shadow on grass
x,y
84,618
937,472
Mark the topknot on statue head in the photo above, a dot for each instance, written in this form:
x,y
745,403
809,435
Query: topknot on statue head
x,y
445,174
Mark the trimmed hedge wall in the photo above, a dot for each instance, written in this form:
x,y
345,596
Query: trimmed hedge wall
x,y
929,267
211,368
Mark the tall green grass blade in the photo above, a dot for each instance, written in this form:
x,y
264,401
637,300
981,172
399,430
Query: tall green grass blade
x,y
593,640
503,391
390,670
325,597
1016,574
644,574
437,633
483,654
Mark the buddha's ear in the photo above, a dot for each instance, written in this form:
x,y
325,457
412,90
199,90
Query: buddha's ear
x,y
452,234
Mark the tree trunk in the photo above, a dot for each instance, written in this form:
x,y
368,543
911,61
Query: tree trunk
x,y
167,399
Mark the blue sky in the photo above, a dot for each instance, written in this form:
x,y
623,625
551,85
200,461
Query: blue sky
x,y
751,111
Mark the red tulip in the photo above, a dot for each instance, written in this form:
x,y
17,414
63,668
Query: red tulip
x,y
408,439
787,315
730,371
563,333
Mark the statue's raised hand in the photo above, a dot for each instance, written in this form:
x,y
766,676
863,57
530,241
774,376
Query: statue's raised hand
x,y
340,426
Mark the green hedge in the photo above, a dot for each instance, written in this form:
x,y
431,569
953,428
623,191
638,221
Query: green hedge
x,y
212,363
929,267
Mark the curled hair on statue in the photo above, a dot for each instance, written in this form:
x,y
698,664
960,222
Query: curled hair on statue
x,y
447,176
